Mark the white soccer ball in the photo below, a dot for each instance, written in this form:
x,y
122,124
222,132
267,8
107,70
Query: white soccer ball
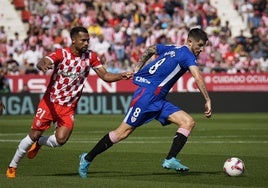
x,y
234,166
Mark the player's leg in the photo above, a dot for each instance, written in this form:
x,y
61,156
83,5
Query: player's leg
x,y
122,132
41,122
58,139
115,136
39,125
23,147
141,110
65,123
185,125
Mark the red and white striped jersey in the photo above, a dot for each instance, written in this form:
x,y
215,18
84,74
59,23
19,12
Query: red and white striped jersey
x,y
69,75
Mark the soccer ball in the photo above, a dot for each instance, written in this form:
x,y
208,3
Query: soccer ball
x,y
234,166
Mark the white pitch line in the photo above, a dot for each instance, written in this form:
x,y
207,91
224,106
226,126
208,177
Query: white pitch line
x,y
156,142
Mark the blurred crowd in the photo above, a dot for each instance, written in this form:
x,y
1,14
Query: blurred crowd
x,y
120,30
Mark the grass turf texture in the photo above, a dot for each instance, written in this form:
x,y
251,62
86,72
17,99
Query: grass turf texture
x,y
136,162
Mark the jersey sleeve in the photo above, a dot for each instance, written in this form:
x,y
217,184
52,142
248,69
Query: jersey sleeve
x,y
56,56
162,48
188,59
95,61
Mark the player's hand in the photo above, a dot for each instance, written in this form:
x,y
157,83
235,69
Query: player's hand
x,y
44,65
208,111
127,75
2,106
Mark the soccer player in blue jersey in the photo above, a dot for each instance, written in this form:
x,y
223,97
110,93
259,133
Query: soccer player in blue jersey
x,y
154,80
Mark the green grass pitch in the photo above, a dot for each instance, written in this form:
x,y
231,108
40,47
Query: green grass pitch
x,y
136,161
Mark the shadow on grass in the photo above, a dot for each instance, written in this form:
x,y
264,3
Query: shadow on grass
x,y
114,174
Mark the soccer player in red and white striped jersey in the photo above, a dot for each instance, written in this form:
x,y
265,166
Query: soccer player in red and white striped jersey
x,y
71,66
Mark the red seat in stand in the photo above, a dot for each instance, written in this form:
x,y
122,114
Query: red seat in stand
x,y
25,15
19,4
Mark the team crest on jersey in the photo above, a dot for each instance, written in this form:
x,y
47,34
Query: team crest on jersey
x,y
133,119
83,63
38,123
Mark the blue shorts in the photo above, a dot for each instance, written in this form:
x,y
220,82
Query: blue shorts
x,y
146,106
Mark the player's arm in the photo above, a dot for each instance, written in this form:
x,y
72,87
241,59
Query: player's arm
x,y
147,54
111,77
202,87
44,64
2,106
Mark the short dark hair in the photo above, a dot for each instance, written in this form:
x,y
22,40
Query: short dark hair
x,y
198,34
75,30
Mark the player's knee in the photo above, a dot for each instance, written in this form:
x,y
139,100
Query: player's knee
x,y
190,123
60,141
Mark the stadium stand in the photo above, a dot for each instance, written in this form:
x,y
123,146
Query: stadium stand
x,y
130,26
11,18
227,12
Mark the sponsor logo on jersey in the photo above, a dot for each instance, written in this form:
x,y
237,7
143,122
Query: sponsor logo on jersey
x,y
83,63
171,53
142,80
71,74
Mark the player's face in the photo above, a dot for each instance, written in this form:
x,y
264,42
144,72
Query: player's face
x,y
81,42
197,47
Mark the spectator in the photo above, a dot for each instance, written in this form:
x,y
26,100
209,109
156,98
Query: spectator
x,y
101,46
150,38
12,66
4,85
136,53
31,57
3,35
119,39
190,19
256,53
110,56
10,47
30,69
108,32
246,11
254,21
263,64
226,29
19,58
177,18
95,29
17,41
170,6
241,39
163,18
112,67
86,20
47,40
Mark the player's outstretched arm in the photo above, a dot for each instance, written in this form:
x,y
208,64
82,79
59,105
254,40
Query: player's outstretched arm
x,y
202,87
111,77
147,54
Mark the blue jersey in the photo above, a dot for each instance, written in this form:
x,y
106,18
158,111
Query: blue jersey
x,y
155,80
161,74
